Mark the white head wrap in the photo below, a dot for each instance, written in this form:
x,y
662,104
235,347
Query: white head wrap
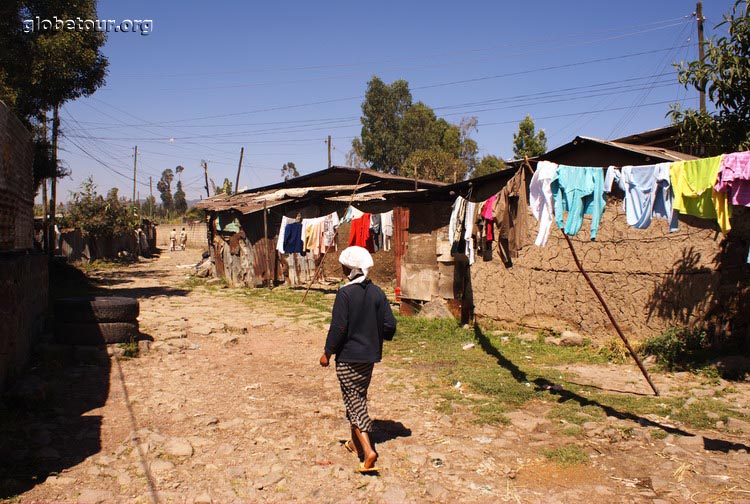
x,y
359,260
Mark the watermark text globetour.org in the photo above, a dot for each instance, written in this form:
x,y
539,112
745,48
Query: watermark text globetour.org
x,y
37,24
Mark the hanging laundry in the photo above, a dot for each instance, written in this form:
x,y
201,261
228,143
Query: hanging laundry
x,y
351,214
647,193
312,236
359,234
375,231
330,223
694,194
457,226
282,231
734,178
487,208
386,221
579,190
469,219
511,211
293,238
540,199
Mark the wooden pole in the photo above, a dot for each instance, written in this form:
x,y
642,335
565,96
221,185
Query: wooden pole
x,y
45,201
329,151
151,201
205,171
609,313
135,164
53,183
701,53
335,234
239,169
265,243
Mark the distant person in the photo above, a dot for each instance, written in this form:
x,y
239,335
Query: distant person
x,y
360,321
183,239
173,240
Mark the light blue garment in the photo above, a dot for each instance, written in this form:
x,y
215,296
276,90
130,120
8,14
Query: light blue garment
x,y
647,194
579,190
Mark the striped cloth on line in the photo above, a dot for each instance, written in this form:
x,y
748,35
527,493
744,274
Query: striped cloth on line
x,y
354,379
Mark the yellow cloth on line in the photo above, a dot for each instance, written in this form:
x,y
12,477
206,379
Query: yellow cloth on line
x,y
693,185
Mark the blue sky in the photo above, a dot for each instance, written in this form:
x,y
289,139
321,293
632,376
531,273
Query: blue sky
x,y
278,77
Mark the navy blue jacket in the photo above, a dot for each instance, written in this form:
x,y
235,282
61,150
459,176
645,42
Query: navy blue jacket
x,y
360,321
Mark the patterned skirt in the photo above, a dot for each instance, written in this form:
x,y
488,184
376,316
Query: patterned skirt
x,y
354,379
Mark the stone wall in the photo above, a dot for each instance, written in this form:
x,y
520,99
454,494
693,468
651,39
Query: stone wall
x,y
651,279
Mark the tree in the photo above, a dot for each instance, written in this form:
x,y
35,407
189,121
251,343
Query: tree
x,y
488,164
724,76
180,203
404,138
355,158
382,111
96,215
434,164
226,187
164,186
178,170
149,205
528,143
289,171
48,66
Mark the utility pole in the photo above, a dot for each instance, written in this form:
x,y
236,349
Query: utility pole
x,y
135,164
151,192
701,53
45,201
53,184
204,164
329,151
239,169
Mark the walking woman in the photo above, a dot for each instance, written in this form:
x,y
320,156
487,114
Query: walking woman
x,y
361,320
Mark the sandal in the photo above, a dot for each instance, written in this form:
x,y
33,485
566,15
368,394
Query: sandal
x,y
350,447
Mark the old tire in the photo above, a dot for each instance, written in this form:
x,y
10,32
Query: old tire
x,y
95,333
96,309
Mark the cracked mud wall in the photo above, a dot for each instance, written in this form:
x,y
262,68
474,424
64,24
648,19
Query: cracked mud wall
x,y
651,279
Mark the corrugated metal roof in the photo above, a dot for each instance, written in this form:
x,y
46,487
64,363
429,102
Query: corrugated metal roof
x,y
647,150
250,202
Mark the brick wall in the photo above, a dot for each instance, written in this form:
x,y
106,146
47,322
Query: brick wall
x,y
16,184
24,278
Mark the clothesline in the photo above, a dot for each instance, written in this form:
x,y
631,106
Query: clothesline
x,y
563,194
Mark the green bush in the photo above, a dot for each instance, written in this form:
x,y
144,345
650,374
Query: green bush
x,y
678,347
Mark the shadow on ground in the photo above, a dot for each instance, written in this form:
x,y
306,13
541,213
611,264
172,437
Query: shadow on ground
x,y
46,420
47,426
567,395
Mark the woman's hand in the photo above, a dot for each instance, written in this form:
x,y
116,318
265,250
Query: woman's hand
x,y
325,359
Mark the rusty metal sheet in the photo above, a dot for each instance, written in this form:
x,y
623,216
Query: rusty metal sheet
x,y
419,282
421,250
451,280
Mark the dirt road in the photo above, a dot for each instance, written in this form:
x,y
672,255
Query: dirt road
x,y
230,405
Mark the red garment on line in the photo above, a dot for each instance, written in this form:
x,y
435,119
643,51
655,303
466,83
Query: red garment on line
x,y
359,234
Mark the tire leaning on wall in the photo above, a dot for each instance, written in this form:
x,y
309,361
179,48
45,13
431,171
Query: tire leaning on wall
x,y
96,320
96,309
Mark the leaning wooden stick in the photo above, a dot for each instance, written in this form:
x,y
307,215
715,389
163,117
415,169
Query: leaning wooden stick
x,y
609,313
335,234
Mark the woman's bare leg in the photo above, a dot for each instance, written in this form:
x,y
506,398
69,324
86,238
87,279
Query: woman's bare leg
x,y
370,456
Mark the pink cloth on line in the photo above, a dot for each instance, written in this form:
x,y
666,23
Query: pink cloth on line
x,y
734,178
487,212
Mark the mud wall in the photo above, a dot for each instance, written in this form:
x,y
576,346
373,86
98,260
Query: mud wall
x,y
652,279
